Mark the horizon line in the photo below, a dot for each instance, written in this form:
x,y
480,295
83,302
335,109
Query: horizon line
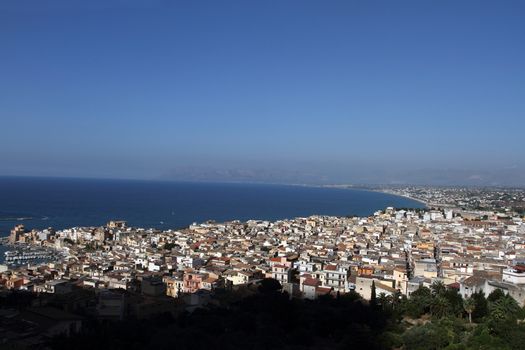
x,y
330,185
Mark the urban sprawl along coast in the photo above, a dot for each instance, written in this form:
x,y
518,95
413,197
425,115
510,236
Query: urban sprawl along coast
x,y
470,246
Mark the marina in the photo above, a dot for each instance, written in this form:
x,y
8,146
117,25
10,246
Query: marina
x,y
22,254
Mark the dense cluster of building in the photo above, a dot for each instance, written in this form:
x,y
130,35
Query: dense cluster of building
x,y
467,198
395,250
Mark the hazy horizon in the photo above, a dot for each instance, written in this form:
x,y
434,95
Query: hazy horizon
x,y
309,92
355,185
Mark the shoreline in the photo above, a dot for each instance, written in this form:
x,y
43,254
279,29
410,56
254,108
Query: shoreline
x,y
426,204
338,205
342,187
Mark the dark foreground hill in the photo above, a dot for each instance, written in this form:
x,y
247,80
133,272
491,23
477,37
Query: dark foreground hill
x,y
267,319
263,317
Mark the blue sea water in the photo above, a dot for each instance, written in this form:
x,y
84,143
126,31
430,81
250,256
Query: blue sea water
x,y
61,203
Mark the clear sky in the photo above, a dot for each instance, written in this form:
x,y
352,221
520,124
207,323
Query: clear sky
x,y
277,91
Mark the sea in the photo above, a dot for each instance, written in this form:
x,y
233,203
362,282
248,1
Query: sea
x,y
62,203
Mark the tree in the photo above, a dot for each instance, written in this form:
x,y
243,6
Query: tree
x,y
495,295
481,306
505,307
351,296
439,307
381,299
169,246
389,301
455,300
481,338
384,300
428,336
269,286
396,298
422,292
373,298
438,288
419,302
469,305
502,321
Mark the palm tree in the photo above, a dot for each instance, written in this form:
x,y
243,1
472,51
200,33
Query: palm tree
x,y
438,288
390,300
439,307
381,299
506,306
469,305
495,295
396,298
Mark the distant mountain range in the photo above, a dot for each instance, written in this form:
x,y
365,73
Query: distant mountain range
x,y
510,176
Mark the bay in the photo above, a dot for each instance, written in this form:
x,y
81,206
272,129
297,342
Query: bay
x,y
61,203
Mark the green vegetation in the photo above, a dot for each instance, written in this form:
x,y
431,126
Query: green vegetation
x,y
439,318
264,318
169,246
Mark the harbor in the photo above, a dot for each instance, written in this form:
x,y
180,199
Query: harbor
x,y
20,254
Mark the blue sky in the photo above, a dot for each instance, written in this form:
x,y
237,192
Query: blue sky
x,y
276,91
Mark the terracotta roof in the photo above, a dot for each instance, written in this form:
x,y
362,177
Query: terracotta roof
x,y
323,290
281,266
312,282
385,287
474,281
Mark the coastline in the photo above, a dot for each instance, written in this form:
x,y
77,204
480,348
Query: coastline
x,y
426,204
345,187
174,205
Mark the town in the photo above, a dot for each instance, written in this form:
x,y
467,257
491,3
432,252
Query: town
x,y
498,199
139,272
